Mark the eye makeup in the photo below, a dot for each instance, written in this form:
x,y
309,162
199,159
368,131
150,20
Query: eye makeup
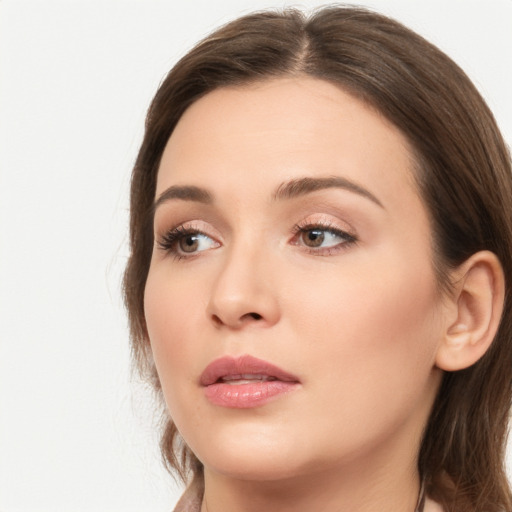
x,y
322,238
316,237
185,241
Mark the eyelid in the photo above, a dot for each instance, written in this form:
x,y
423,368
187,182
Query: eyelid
x,y
326,222
167,239
323,223
194,225
298,229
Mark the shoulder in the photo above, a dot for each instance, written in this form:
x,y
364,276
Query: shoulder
x,y
192,498
189,502
432,506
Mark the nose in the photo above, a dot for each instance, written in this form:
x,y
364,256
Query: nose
x,y
244,292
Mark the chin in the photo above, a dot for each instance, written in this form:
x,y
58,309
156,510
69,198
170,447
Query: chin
x,y
251,454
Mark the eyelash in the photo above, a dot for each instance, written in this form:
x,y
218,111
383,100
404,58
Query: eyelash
x,y
171,238
349,238
168,242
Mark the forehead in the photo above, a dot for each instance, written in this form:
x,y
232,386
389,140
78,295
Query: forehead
x,y
256,136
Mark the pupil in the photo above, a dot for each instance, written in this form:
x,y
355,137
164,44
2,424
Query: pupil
x,y
189,243
314,238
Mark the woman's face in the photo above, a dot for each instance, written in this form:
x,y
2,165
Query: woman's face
x,y
288,228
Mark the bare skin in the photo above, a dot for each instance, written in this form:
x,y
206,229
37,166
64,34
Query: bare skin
x,y
333,284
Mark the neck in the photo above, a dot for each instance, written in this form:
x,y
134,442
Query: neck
x,y
343,490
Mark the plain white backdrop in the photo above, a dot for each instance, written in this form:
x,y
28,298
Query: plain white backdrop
x,y
76,432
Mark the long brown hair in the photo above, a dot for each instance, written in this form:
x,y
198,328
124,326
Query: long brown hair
x,y
464,175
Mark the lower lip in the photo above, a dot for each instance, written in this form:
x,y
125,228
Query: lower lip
x,y
245,396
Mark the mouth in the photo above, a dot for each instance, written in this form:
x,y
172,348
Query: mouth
x,y
237,380
245,382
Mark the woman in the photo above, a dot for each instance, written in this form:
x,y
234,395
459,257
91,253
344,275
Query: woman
x,y
320,236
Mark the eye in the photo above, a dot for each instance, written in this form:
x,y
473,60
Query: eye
x,y
183,242
318,238
195,242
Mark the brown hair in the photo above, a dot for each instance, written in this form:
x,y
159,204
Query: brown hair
x,y
464,175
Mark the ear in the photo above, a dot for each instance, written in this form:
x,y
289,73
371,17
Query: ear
x,y
473,311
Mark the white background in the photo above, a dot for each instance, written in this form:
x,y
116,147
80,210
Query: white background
x,y
76,433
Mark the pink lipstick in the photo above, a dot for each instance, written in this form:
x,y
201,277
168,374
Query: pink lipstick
x,y
244,382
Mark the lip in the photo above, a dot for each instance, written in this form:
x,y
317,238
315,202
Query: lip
x,y
245,394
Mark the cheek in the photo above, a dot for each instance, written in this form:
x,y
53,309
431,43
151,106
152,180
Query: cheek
x,y
175,313
369,340
369,325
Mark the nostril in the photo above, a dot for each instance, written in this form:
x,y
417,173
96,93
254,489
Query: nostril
x,y
216,320
219,321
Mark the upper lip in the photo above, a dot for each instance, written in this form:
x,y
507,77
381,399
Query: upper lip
x,y
243,365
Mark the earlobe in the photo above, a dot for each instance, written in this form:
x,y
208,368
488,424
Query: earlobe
x,y
473,313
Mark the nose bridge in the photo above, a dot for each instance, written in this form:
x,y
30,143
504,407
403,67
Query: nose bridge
x,y
243,291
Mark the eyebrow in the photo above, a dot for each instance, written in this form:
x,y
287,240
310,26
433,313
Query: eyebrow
x,y
302,186
185,193
288,190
